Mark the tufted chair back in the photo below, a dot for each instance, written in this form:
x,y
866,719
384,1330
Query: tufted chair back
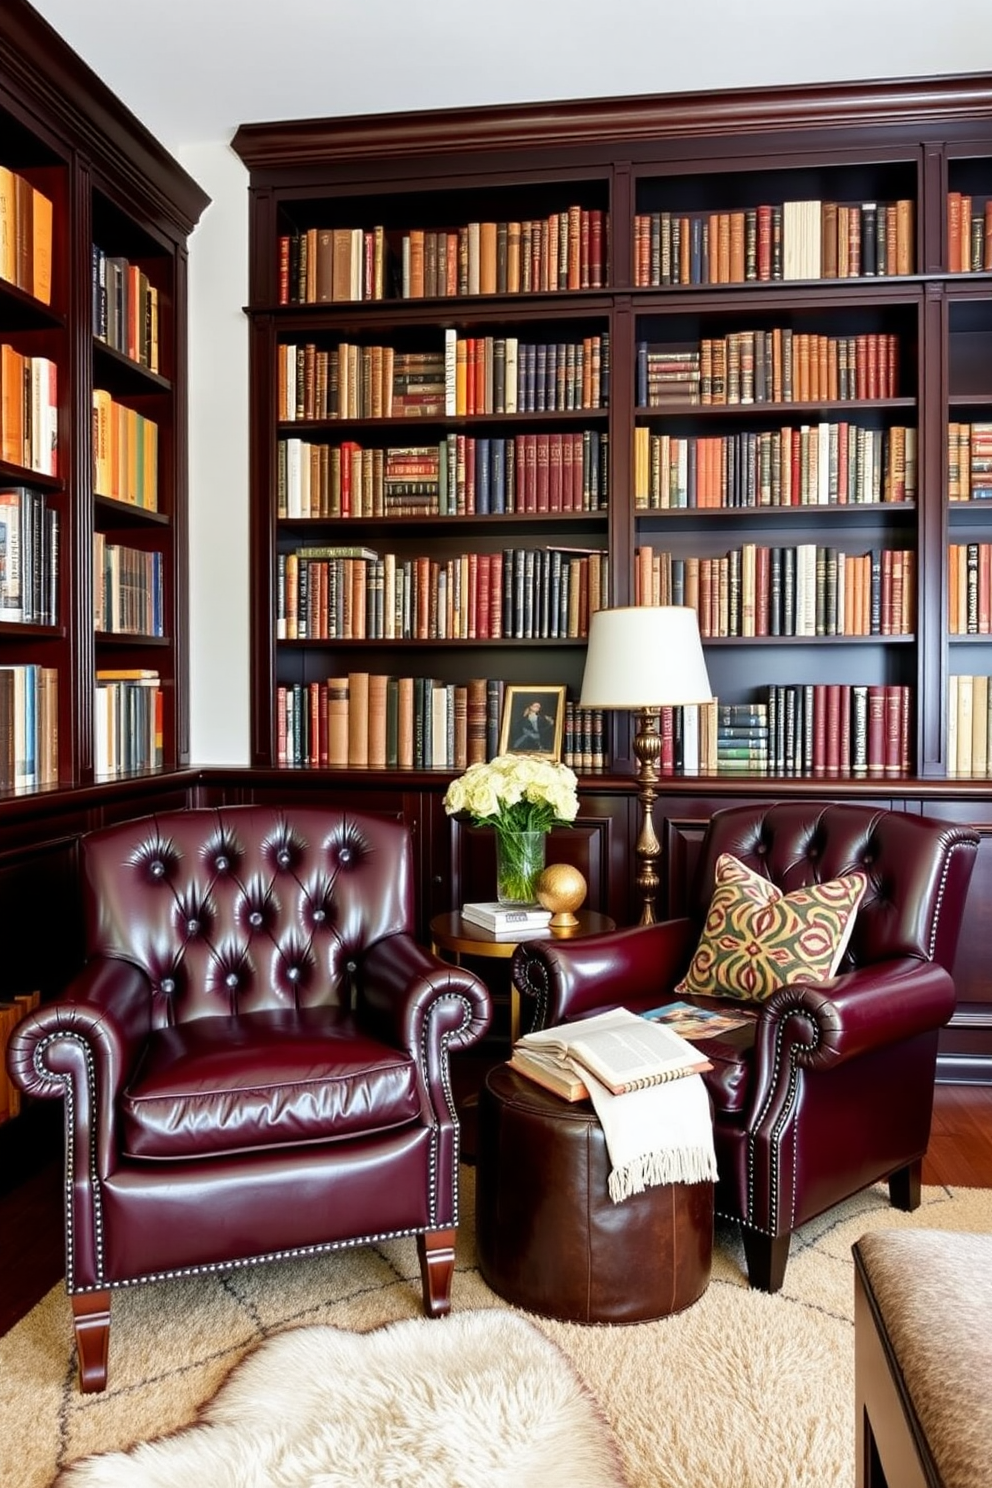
x,y
825,1087
245,909
910,876
254,1058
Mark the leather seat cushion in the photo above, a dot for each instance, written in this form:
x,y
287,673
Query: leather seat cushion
x,y
220,1085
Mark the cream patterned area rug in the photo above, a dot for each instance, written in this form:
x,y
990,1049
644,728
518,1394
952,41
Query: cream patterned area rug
x,y
742,1388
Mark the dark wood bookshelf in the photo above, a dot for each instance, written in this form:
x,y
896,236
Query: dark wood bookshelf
x,y
112,186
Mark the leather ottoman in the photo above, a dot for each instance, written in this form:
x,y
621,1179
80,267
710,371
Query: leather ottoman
x,y
550,1239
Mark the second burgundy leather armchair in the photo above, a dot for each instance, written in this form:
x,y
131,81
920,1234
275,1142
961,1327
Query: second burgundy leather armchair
x,y
830,1088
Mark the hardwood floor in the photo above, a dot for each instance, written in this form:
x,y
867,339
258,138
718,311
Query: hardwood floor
x,y
31,1212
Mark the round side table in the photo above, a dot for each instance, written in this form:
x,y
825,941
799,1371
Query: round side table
x,y
453,936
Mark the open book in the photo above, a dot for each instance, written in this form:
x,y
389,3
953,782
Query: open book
x,y
624,1051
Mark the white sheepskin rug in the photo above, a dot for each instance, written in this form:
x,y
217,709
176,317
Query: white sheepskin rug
x,y
477,1400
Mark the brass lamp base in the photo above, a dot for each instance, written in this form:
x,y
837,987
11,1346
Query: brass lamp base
x,y
647,749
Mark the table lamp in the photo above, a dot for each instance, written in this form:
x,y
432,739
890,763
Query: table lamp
x,y
643,658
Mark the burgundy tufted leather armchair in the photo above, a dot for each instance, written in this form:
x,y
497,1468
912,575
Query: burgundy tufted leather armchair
x,y
831,1088
254,1059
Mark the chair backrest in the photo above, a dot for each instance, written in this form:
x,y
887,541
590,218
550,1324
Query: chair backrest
x,y
918,869
239,909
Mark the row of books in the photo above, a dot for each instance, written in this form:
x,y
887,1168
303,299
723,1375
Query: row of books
x,y
775,241
128,721
565,250
807,590
519,593
29,557
969,699
127,589
125,308
29,411
473,375
969,461
969,234
501,374
25,235
773,366
12,1010
810,730
381,721
825,464
460,475
969,588
29,726
125,453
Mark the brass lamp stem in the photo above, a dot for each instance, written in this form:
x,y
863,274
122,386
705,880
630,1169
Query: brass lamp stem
x,y
647,749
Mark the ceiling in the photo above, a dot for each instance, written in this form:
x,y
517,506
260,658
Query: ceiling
x,y
192,70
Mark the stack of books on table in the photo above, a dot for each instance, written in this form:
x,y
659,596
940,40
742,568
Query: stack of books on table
x,y
623,1050
507,922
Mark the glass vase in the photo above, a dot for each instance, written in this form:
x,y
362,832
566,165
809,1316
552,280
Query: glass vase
x,y
519,863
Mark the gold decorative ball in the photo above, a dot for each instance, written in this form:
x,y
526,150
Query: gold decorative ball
x,y
562,889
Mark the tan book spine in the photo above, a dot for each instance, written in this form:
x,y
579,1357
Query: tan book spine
x,y
404,727
358,718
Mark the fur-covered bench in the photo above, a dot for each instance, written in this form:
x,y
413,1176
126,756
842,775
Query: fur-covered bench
x,y
923,1357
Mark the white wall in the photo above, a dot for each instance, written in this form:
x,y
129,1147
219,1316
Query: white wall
x,y
218,418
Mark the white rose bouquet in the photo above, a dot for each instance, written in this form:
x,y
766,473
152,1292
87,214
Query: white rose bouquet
x,y
521,798
515,793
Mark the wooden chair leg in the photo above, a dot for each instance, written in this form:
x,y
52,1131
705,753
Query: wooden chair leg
x,y
766,1257
91,1320
436,1249
904,1186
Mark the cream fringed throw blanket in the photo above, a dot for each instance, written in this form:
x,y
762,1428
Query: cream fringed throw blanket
x,y
663,1134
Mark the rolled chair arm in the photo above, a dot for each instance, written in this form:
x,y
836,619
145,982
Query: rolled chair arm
x,y
568,979
407,994
818,1026
103,1016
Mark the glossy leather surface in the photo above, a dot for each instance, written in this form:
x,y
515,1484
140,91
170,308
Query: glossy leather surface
x,y
550,1239
255,1055
831,1088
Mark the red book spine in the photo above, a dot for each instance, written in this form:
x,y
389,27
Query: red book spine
x,y
666,763
543,443
495,596
893,731
820,729
555,462
764,242
833,729
876,730
483,598
284,269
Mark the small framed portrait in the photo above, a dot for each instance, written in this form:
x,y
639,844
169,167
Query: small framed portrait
x,y
533,721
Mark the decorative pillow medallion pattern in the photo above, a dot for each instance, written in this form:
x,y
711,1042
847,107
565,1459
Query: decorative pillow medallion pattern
x,y
756,938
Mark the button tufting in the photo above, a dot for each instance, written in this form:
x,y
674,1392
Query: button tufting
x,y
255,918
192,927
158,869
168,986
222,864
293,973
345,855
231,980
282,858
319,916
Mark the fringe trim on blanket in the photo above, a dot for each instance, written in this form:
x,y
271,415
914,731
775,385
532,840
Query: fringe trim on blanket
x,y
675,1165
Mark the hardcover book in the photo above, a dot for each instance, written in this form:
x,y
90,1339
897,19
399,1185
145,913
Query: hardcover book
x,y
623,1051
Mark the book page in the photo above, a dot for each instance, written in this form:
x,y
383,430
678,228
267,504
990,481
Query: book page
x,y
620,1047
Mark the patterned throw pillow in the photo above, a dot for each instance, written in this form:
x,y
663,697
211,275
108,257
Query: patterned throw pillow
x,y
756,938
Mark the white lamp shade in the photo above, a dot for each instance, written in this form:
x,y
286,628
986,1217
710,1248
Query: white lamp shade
x,y
644,656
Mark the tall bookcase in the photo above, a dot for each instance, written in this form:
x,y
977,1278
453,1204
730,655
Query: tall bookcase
x,y
93,302
835,209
